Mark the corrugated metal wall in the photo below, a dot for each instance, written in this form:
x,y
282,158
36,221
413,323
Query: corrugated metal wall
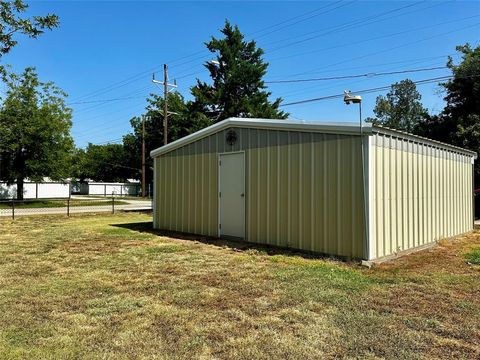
x,y
419,193
303,190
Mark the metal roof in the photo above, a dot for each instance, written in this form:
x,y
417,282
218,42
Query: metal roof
x,y
349,128
269,124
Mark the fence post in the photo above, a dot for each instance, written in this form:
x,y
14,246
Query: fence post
x,y
68,207
13,209
113,204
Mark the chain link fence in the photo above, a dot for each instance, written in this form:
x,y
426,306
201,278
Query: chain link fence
x,y
68,206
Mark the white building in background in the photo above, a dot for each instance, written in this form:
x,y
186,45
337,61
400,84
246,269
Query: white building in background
x,y
34,190
131,187
118,189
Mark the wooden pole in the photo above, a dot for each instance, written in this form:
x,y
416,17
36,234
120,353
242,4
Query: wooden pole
x,y
165,106
143,156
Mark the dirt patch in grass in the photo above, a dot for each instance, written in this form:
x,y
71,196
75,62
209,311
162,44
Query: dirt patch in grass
x,y
107,286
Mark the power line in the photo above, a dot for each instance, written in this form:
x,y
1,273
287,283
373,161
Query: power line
x,y
288,20
348,25
357,22
146,73
133,78
104,100
136,77
311,17
373,90
372,74
375,67
416,60
387,50
113,141
122,166
96,106
109,112
344,61
102,129
372,39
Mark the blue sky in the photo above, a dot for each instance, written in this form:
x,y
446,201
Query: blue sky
x,y
108,50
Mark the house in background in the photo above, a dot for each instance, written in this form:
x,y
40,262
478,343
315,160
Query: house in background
x,y
332,188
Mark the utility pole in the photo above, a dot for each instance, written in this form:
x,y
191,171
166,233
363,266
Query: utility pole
x,y
143,155
165,104
165,100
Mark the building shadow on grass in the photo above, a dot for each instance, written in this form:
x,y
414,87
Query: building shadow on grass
x,y
232,244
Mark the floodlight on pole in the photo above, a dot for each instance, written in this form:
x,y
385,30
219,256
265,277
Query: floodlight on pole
x,y
354,99
349,98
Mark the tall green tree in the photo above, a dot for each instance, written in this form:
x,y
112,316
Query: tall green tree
x,y
463,90
12,24
182,121
35,131
459,122
401,108
237,88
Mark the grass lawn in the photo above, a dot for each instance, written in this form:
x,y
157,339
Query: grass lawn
x,y
473,256
106,286
38,204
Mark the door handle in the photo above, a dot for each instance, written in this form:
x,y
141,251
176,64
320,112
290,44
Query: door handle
x,y
242,195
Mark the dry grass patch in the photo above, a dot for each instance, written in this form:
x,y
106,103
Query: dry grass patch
x,y
109,287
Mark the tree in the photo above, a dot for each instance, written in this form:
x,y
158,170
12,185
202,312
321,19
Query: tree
x,y
401,109
459,122
12,23
182,121
237,89
102,163
463,91
35,131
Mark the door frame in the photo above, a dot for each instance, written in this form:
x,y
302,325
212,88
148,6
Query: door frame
x,y
244,186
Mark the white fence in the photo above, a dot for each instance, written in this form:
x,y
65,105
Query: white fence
x,y
31,190
119,189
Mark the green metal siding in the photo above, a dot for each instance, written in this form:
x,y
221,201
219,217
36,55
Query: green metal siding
x,y
303,189
419,194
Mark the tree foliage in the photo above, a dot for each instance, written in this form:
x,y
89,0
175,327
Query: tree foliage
x,y
459,122
401,108
102,163
35,127
237,88
182,121
12,24
463,91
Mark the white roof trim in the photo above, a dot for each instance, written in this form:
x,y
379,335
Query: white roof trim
x,y
290,125
422,140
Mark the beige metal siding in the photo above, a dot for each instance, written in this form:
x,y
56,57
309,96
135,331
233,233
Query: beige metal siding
x,y
419,193
303,190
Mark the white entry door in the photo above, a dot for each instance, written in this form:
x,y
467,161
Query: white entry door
x,y
231,169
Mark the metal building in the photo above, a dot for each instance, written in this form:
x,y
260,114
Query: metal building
x,y
302,185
